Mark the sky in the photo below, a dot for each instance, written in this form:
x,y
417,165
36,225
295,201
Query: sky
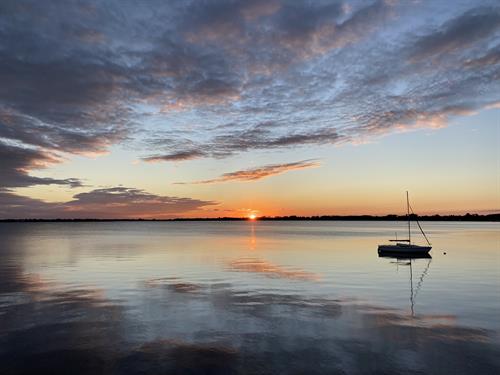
x,y
162,109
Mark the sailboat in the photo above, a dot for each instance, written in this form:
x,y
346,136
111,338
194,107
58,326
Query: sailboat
x,y
406,246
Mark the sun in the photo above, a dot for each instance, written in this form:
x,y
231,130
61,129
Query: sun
x,y
252,216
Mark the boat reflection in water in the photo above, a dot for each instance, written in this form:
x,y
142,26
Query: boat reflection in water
x,y
407,260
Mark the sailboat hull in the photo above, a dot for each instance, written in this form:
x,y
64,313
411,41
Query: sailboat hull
x,y
402,249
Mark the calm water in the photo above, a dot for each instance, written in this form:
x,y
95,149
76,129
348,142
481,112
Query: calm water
x,y
242,297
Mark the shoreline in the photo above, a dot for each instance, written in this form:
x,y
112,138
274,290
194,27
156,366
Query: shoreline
x,y
460,218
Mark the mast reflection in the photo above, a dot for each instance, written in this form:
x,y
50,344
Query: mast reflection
x,y
407,260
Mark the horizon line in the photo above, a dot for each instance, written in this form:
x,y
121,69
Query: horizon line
x,y
434,217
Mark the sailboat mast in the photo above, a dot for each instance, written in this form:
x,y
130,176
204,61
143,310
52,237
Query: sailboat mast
x,y
408,215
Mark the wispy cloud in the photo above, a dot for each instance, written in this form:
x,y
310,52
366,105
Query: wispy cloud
x,y
176,156
258,173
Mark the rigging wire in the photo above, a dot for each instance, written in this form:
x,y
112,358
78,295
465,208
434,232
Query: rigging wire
x,y
421,230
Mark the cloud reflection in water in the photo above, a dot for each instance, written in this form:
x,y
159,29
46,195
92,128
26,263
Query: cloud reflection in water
x,y
48,328
271,270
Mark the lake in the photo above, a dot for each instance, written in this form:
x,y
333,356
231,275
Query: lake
x,y
247,298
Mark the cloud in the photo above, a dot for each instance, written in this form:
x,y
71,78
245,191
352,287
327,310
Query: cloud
x,y
227,77
258,173
176,156
231,142
58,95
263,137
457,34
279,33
315,73
14,206
16,162
107,203
491,58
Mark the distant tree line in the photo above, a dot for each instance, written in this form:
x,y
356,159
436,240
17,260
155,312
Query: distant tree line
x,y
466,217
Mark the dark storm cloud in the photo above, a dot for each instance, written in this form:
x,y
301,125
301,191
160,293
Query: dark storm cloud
x,y
108,203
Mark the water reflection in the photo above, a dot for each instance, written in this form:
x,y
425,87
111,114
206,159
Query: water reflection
x,y
408,260
53,331
253,236
268,269
248,312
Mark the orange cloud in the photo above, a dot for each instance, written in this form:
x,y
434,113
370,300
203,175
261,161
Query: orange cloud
x,y
258,173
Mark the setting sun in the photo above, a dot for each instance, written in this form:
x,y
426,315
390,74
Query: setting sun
x,y
252,216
